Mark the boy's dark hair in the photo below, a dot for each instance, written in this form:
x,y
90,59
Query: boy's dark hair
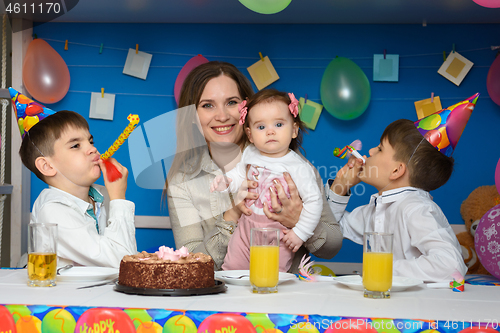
x,y
39,140
273,95
428,168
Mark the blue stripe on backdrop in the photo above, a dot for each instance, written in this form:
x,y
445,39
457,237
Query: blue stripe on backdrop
x,y
300,53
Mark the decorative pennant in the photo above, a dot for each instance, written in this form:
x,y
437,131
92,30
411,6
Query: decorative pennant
x,y
263,73
309,112
455,68
102,106
137,64
386,67
428,106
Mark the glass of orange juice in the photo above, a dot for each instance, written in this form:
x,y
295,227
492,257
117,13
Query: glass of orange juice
x,y
42,254
377,264
264,260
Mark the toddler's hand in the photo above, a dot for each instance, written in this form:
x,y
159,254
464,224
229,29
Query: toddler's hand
x,y
116,189
292,240
220,183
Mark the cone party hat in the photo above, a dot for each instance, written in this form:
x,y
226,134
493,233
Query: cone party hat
x,y
28,112
443,128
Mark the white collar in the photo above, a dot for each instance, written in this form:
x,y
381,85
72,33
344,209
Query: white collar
x,y
397,194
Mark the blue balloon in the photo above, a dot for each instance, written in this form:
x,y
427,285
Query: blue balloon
x,y
345,89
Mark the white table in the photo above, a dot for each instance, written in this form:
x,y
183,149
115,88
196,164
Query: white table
x,y
476,304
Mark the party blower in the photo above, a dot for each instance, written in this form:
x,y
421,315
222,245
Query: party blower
x,y
348,150
111,170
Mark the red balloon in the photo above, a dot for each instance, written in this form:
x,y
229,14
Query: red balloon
x,y
45,74
7,323
33,109
188,67
493,80
222,322
433,136
105,320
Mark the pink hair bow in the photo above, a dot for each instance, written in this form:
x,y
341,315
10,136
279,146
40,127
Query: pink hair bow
x,y
243,111
294,105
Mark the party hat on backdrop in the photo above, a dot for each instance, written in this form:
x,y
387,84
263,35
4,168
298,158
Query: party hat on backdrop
x,y
28,112
443,128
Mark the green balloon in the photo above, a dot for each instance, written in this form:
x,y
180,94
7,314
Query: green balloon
x,y
430,122
345,89
266,6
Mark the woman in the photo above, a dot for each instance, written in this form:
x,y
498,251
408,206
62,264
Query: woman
x,y
204,221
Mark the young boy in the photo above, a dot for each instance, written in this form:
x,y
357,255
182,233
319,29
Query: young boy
x,y
403,168
60,151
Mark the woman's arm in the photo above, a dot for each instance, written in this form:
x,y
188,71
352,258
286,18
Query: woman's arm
x,y
198,219
210,235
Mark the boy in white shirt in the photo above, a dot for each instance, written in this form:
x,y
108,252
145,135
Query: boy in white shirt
x,y
403,168
60,151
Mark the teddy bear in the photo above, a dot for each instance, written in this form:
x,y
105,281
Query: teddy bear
x,y
472,209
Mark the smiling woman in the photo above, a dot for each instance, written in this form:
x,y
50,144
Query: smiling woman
x,y
210,142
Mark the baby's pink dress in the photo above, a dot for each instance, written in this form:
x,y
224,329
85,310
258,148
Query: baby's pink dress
x,y
238,249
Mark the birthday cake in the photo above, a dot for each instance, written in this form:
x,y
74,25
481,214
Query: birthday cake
x,y
167,269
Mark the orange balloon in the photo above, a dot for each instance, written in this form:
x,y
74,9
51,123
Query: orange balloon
x,y
445,142
45,74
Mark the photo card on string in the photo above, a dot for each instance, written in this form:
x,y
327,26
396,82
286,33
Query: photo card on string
x,y
137,64
386,67
455,68
263,73
309,112
102,106
428,106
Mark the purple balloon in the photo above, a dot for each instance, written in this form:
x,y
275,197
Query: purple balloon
x,y
493,81
497,176
487,241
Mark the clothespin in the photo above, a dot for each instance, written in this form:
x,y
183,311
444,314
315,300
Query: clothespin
x,y
305,99
261,57
432,97
100,50
444,55
66,45
102,92
384,53
136,48
453,47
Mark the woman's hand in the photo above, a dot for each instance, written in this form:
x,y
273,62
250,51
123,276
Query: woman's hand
x,y
239,208
347,176
289,212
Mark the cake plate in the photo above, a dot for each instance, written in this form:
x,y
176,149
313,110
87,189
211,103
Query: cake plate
x,y
219,287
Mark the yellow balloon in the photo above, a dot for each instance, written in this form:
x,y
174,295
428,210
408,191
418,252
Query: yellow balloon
x,y
29,122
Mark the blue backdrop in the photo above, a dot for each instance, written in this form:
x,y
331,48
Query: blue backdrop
x,y
300,54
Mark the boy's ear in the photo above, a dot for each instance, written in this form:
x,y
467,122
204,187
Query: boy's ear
x,y
45,167
249,134
398,172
